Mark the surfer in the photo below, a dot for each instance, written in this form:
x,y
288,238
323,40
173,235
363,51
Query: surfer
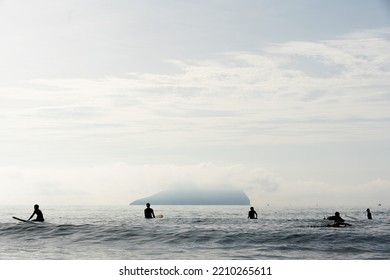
x,y
39,214
252,214
338,221
369,216
336,218
149,213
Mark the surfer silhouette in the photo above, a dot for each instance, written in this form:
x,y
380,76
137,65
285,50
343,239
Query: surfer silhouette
x,y
149,213
336,218
252,214
39,214
369,216
338,221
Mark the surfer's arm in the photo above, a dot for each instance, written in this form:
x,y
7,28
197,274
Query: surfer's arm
x,y
153,214
32,215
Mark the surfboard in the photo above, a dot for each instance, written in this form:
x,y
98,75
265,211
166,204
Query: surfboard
x,y
350,217
16,218
159,216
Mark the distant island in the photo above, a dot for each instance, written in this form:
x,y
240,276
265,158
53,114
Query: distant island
x,y
195,197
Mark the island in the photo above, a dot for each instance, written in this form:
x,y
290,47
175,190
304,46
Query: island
x,y
195,197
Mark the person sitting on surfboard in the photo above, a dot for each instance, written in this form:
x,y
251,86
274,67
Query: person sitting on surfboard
x,y
252,214
38,213
149,213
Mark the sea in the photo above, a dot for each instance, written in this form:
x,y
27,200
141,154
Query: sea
x,y
193,233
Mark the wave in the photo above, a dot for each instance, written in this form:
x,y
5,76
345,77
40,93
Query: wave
x,y
207,237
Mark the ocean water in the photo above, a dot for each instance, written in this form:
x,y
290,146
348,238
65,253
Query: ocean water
x,y
192,233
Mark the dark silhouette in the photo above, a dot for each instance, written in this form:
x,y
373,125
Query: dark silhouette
x,y
149,213
369,216
338,221
252,214
336,218
38,213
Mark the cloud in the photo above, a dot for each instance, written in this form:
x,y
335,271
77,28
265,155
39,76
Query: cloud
x,y
316,193
263,95
302,92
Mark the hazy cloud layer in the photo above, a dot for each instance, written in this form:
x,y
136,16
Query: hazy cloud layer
x,y
120,184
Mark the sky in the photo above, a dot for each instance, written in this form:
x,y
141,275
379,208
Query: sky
x,y
104,102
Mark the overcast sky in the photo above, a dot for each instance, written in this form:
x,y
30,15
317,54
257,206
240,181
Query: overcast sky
x,y
104,102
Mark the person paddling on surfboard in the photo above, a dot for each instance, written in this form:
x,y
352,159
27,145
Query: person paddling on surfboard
x,y
149,213
38,213
338,221
252,214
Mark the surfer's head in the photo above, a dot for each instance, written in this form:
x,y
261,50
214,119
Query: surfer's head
x,y
36,206
337,214
148,204
252,208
